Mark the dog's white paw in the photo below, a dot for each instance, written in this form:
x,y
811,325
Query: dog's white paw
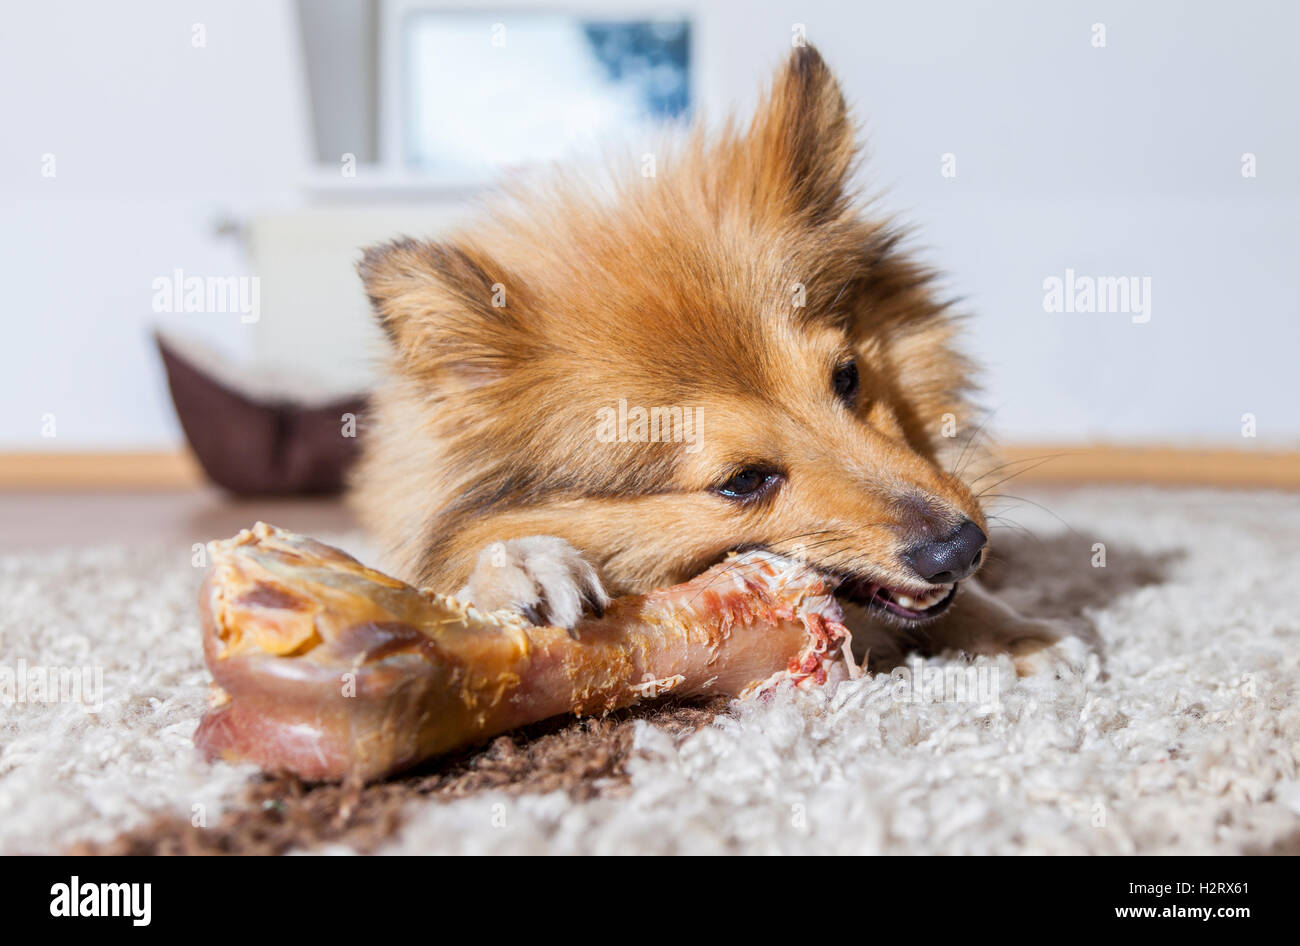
x,y
543,577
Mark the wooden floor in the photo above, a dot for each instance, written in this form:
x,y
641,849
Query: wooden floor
x,y
31,520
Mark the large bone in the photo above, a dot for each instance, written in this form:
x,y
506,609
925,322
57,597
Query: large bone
x,y
330,670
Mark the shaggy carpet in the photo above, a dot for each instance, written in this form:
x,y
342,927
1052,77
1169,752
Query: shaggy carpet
x,y
1179,732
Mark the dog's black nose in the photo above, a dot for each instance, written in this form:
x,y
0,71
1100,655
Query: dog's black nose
x,y
951,558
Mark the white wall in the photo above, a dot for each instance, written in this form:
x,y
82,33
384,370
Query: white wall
x,y
153,140
1117,161
1123,160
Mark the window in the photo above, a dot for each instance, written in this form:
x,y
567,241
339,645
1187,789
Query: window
x,y
467,93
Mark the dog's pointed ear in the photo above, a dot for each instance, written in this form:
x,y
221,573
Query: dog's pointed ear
x,y
803,139
449,310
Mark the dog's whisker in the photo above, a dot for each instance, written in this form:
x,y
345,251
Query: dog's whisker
x,y
1010,463
1001,523
958,469
1021,499
1041,461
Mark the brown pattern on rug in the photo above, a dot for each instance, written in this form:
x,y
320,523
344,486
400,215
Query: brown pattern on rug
x,y
586,758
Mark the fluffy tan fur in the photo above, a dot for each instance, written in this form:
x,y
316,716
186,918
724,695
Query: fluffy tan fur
x,y
673,290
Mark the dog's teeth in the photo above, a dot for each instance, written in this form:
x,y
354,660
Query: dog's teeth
x,y
923,602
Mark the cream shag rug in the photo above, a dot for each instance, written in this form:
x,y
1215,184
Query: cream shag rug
x,y
1181,733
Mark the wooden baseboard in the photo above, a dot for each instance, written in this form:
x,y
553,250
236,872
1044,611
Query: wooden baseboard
x,y
1041,463
1172,466
68,471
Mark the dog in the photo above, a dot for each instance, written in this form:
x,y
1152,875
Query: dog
x,y
602,388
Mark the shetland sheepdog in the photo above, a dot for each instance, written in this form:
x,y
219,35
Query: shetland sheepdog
x,y
598,390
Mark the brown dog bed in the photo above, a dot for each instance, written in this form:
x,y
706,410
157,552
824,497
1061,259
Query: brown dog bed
x,y
258,443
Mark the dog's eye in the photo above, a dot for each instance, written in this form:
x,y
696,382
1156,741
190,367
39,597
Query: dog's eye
x,y
845,382
748,483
